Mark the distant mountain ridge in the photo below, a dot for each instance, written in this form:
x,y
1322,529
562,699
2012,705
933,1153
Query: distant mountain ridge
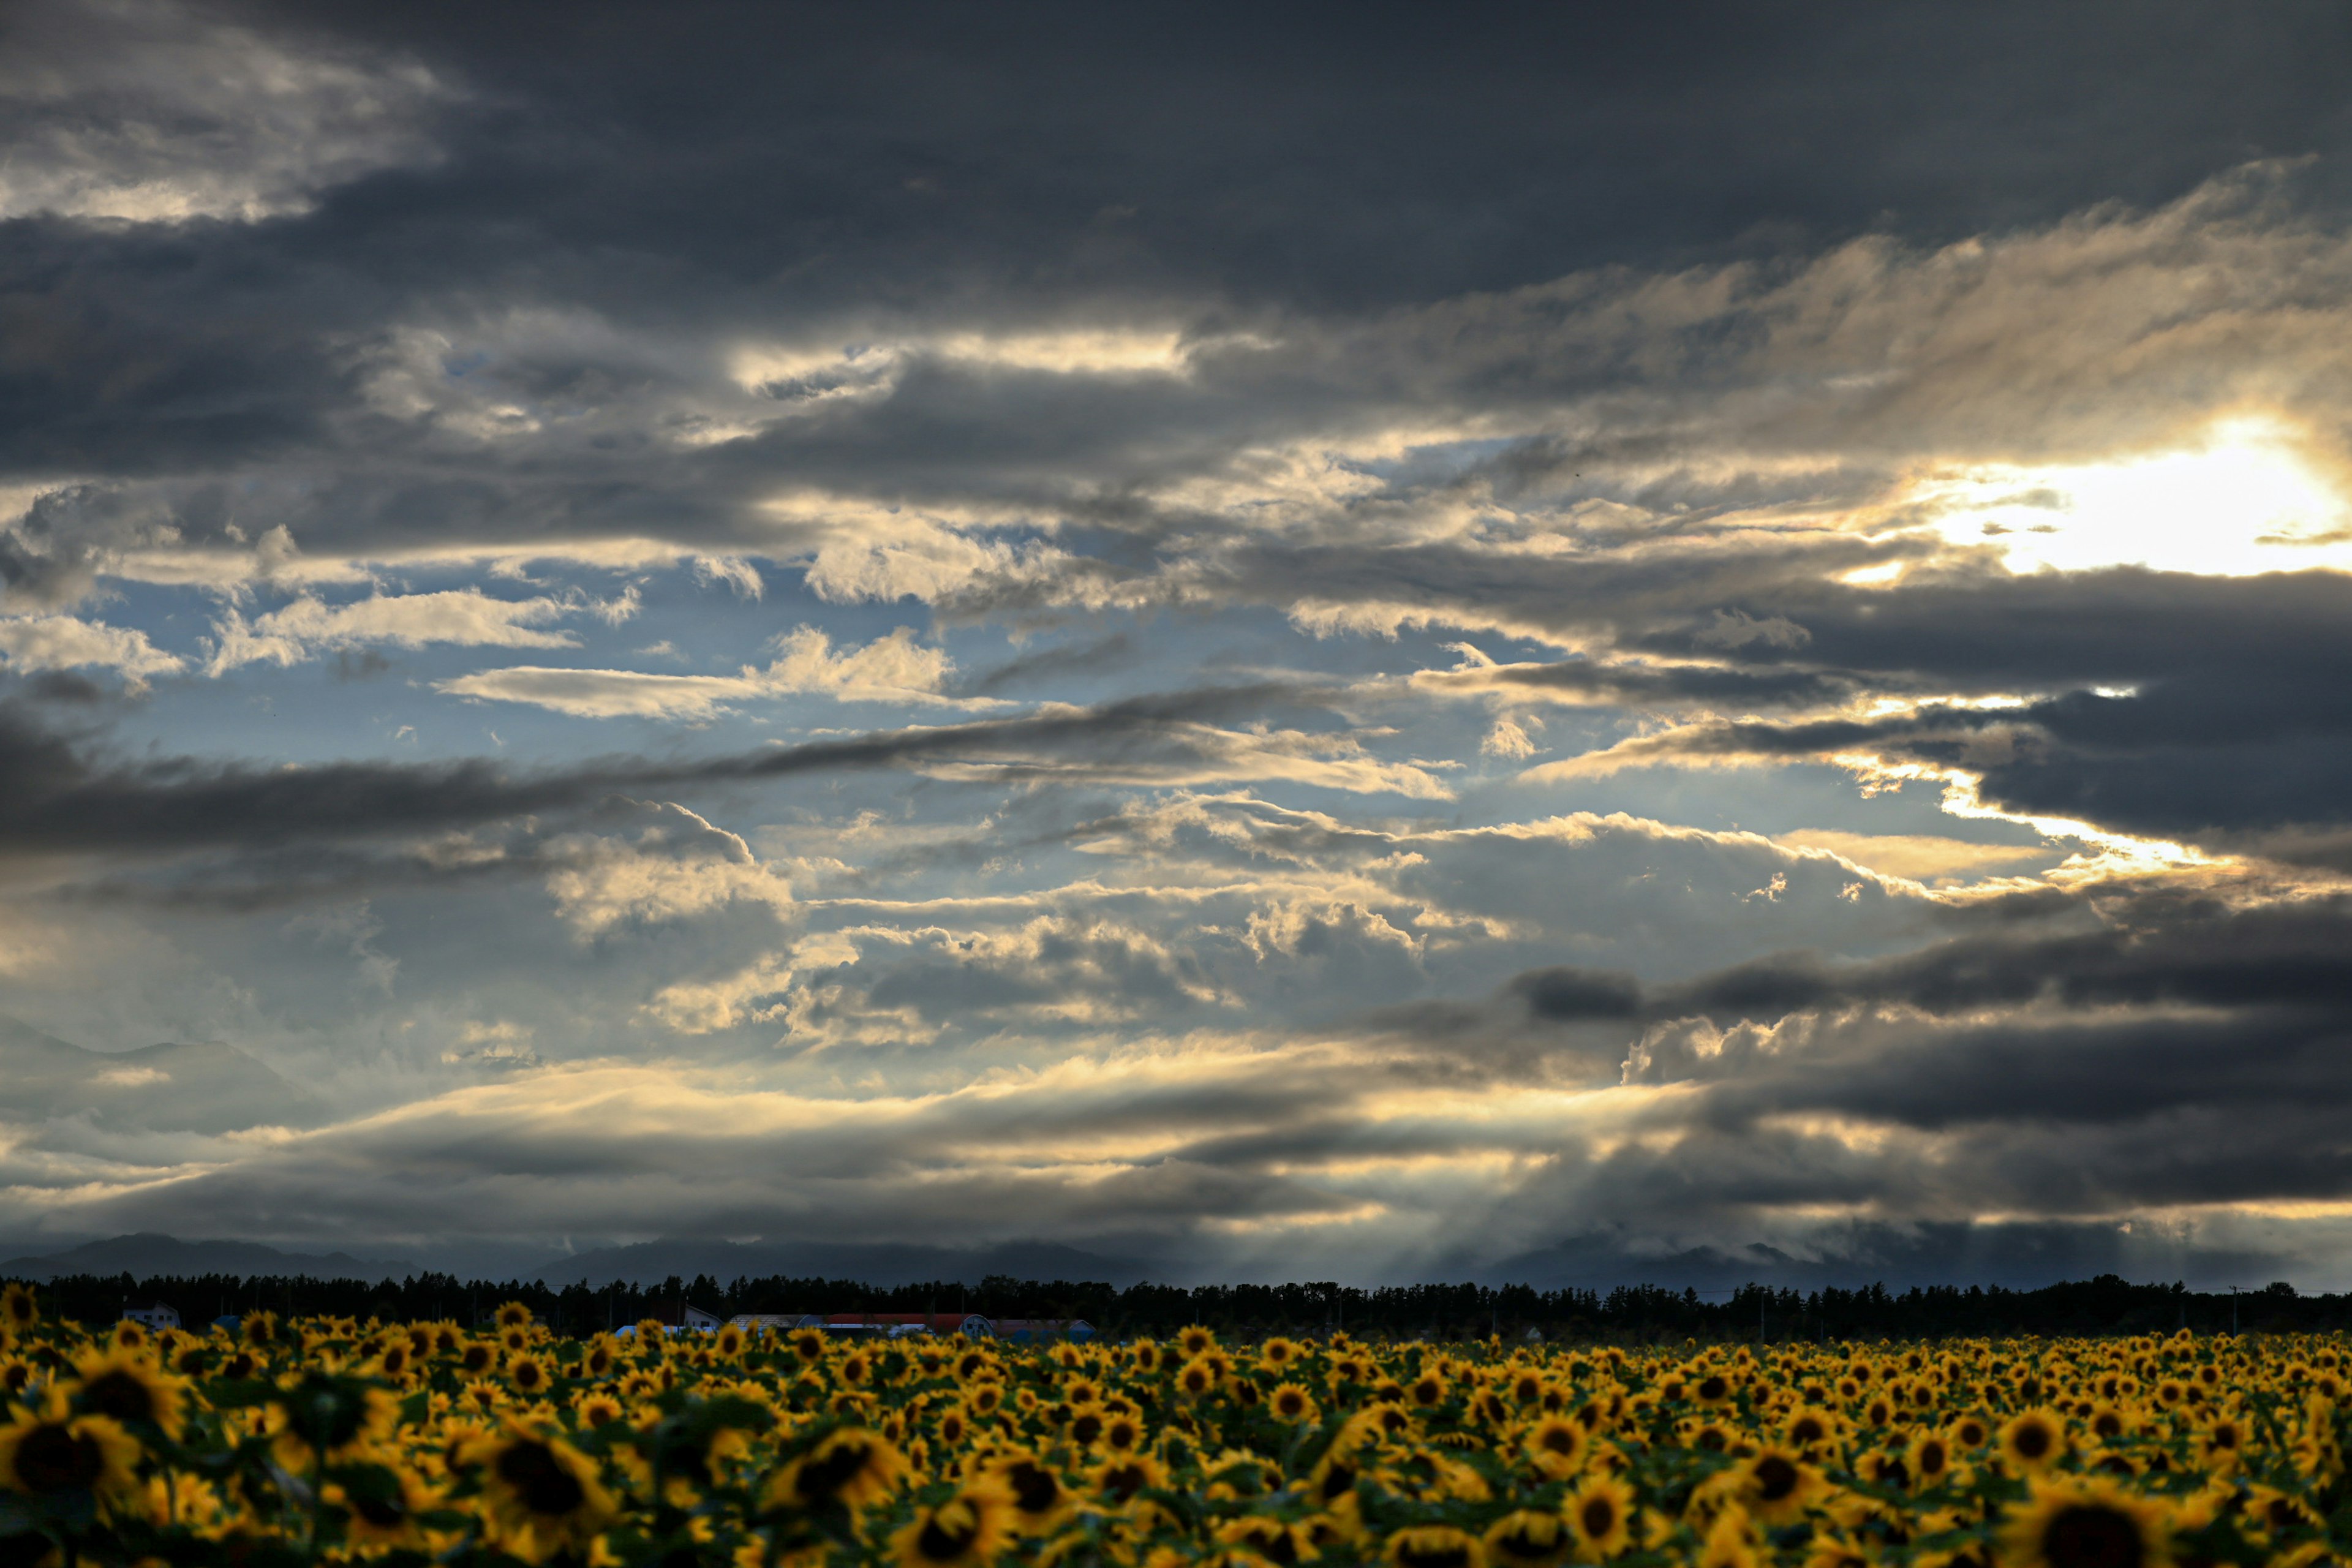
x,y
146,1255
873,1263
176,1087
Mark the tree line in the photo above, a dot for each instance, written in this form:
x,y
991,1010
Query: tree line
x,y
1632,1313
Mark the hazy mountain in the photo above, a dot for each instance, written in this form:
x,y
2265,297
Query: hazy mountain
x,y
147,1254
875,1263
172,1088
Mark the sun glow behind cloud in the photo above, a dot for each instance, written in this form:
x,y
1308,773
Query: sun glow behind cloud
x,y
2244,502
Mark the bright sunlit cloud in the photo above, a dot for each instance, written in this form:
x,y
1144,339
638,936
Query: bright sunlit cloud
x,y
2245,502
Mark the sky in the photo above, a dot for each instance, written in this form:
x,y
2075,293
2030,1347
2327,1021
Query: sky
x,y
1345,642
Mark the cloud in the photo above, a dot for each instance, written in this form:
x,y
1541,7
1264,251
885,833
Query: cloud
x,y
33,643
891,668
306,627
146,111
1527,705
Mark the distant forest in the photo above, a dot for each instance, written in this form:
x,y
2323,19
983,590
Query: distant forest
x,y
2106,1305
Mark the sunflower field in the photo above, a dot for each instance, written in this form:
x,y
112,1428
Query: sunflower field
x,y
329,1439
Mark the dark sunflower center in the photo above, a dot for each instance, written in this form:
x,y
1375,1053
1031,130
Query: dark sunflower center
x,y
942,1540
1559,1439
2032,1441
826,1474
1033,1490
1931,1458
1338,1481
52,1459
1519,1542
1123,1481
1598,1516
118,1395
544,1486
1086,1428
1435,1555
1807,1431
2088,1535
1775,1477
1713,1388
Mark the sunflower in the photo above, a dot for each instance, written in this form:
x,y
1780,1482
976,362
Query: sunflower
x,y
2081,1523
594,1410
1122,1433
2033,1441
2274,1513
130,1391
322,1416
600,1357
1040,1498
544,1495
393,1364
2220,1443
1274,1540
968,1530
1528,1537
57,1454
1730,1542
1198,1379
1332,1483
529,1375
1777,1486
852,1467
514,1315
1293,1404
18,1312
1601,1514
1434,1546
1833,1551
1556,1446
1195,1340
1119,1478
1971,1432
1811,1430
1146,1356
381,1506
1930,1461
1277,1355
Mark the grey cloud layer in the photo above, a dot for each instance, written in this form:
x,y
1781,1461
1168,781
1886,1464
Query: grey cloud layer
x,y
1355,513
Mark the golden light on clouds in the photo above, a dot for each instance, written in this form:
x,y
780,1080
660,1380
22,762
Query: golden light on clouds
x,y
2244,500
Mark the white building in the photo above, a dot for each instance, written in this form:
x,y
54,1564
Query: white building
x,y
157,1317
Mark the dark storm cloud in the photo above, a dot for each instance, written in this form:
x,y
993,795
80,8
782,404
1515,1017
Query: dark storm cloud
x,y
2154,952
57,799
1319,155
